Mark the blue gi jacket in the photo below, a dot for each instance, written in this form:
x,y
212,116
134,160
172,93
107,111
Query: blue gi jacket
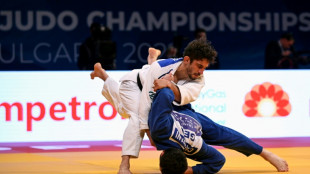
x,y
180,127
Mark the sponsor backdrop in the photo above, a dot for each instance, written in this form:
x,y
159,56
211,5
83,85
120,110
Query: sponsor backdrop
x,y
46,35
38,106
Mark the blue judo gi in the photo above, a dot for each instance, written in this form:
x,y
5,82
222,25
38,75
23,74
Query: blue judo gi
x,y
181,127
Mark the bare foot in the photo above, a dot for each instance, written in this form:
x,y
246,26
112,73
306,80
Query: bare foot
x,y
99,72
153,55
125,165
124,171
276,161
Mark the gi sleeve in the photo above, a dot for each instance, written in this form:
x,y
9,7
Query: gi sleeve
x,y
147,95
159,116
190,91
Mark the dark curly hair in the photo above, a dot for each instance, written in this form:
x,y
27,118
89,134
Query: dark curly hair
x,y
173,161
199,49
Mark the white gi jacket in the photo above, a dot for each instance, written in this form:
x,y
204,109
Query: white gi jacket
x,y
189,89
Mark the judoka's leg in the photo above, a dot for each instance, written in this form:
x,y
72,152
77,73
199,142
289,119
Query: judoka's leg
x,y
110,89
132,137
215,134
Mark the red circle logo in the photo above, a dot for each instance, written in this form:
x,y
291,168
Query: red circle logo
x,y
266,100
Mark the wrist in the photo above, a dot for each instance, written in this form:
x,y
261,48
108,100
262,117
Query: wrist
x,y
172,83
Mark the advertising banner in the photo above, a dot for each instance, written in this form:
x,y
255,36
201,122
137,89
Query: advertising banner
x,y
42,106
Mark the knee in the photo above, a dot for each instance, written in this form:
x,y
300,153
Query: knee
x,y
222,161
133,118
210,166
217,166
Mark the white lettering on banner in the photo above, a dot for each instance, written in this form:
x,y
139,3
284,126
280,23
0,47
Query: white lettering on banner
x,y
47,15
276,21
9,20
62,52
179,20
67,14
135,21
304,19
152,22
206,16
49,56
143,46
8,60
76,51
18,20
192,17
22,60
166,21
119,20
244,21
92,15
56,111
42,53
262,21
38,16
229,22
59,54
290,20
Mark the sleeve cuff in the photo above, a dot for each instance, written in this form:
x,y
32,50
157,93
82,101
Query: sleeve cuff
x,y
144,126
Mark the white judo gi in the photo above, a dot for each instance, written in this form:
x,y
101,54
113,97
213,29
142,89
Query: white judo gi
x,y
125,99
189,89
130,102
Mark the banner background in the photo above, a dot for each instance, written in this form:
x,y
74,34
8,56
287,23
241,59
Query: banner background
x,y
46,35
224,95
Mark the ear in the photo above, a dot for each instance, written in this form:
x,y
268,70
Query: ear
x,y
186,59
162,153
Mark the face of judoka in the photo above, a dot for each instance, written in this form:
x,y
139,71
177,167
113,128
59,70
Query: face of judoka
x,y
196,68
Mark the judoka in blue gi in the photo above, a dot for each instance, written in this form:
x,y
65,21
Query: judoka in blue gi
x,y
180,127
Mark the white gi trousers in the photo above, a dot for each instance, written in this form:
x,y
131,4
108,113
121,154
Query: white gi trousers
x,y
125,99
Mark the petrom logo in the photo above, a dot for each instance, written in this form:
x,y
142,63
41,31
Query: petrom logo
x,y
266,100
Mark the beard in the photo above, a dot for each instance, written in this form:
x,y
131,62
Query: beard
x,y
194,76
